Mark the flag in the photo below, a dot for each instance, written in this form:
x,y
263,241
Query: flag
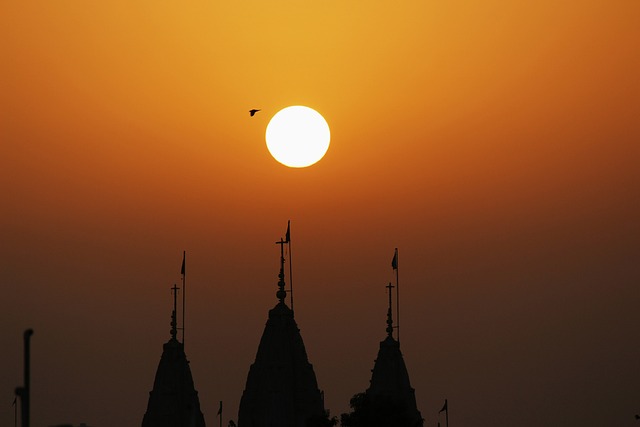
x,y
220,409
184,257
444,407
287,237
394,261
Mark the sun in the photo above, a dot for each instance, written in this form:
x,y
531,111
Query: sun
x,y
298,136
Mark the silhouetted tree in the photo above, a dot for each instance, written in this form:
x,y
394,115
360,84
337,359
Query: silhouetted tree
x,y
380,411
324,420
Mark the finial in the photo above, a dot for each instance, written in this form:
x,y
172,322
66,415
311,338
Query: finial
x,y
174,320
281,294
389,315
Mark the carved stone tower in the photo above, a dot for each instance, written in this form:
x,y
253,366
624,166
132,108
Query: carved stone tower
x,y
390,389
173,402
281,388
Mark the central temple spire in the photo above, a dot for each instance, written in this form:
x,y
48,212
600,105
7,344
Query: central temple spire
x,y
389,314
281,294
281,388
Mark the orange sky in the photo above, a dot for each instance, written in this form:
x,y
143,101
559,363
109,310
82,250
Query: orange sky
x,y
494,143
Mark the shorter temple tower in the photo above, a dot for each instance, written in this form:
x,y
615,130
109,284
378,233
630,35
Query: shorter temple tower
x,y
390,400
173,402
390,384
281,388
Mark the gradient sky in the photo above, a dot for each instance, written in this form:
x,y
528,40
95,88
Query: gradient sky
x,y
494,143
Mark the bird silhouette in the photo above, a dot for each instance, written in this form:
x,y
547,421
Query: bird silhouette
x,y
252,112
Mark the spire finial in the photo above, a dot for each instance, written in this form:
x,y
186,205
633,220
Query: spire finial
x,y
281,294
389,314
174,320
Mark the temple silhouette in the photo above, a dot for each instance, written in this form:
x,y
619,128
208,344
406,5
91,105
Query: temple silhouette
x,y
281,388
390,400
173,402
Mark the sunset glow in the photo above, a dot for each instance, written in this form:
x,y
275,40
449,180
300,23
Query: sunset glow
x,y
495,143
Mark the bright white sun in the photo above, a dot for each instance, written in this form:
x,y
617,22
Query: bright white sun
x,y
298,136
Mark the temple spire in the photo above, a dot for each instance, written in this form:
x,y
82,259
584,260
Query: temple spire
x,y
173,400
174,320
389,313
281,388
281,294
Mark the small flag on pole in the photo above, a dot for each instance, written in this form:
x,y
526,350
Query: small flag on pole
x,y
184,257
287,237
444,407
220,409
394,261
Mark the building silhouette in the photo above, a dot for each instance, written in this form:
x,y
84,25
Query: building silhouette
x,y
390,385
281,388
390,400
173,402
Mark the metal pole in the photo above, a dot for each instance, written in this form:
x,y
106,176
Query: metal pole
x,y
290,267
184,290
26,397
397,296
447,412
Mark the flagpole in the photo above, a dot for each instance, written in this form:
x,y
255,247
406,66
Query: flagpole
x,y
220,412
184,290
397,297
445,408
288,237
447,413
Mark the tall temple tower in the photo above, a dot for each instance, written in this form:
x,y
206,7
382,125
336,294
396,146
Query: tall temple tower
x,y
173,402
389,387
281,388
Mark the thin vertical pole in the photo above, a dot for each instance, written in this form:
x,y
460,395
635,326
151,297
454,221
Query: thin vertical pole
x,y
290,263
26,397
397,296
184,290
447,414
220,413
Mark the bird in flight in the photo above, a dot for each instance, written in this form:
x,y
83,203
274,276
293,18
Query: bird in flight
x,y
252,112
